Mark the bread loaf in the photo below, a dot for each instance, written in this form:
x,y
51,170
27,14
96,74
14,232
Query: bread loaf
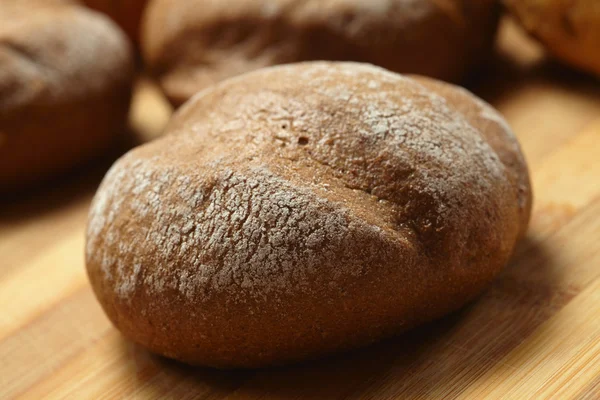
x,y
65,83
570,30
306,209
191,44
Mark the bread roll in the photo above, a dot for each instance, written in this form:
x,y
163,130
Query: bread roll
x,y
65,83
306,209
570,30
191,44
127,13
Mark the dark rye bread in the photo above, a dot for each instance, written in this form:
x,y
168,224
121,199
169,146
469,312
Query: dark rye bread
x,y
192,44
65,80
302,210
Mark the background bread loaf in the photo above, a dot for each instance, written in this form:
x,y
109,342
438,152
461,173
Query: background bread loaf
x,y
191,44
65,83
570,30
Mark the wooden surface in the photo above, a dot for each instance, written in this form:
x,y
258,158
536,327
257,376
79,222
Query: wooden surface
x,y
534,334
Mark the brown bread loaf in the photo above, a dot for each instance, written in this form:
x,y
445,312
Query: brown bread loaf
x,y
65,83
306,209
570,30
191,44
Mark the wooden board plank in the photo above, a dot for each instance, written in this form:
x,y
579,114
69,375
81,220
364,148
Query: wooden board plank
x,y
554,360
62,272
52,339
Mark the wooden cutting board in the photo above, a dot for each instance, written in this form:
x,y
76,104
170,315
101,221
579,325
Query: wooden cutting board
x,y
534,334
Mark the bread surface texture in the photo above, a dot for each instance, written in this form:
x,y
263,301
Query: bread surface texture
x,y
191,44
305,209
570,30
65,83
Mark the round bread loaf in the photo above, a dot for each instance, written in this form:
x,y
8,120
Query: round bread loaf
x,y
127,13
65,83
570,30
305,209
191,44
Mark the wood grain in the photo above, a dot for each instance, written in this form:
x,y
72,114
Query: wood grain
x,y
535,334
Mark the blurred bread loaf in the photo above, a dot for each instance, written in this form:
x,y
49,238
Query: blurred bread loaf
x,y
65,83
191,44
570,30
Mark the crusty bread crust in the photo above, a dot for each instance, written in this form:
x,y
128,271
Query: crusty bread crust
x,y
65,83
191,44
305,209
497,133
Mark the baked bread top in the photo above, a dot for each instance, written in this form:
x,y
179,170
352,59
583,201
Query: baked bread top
x,y
52,50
